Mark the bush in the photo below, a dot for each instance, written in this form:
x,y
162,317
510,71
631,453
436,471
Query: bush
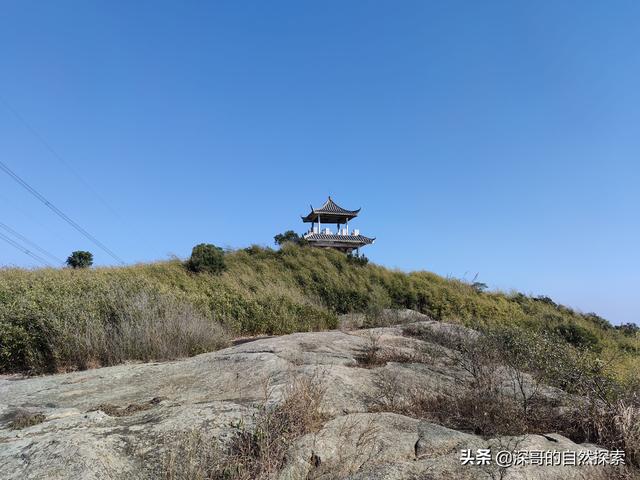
x,y
598,321
80,259
479,286
577,336
26,345
599,409
289,237
207,258
356,259
628,329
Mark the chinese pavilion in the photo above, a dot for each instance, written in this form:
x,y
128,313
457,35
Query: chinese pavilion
x,y
342,239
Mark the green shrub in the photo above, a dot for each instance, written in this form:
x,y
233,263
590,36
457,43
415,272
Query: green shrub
x,y
577,336
356,259
628,329
80,259
206,258
289,237
598,321
26,345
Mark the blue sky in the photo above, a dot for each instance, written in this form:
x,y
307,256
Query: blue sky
x,y
499,138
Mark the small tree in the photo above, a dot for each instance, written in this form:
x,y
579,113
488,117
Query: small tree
x,y
357,259
206,258
479,287
629,329
289,237
80,259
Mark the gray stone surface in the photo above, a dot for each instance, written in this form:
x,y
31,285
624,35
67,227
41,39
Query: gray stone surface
x,y
82,437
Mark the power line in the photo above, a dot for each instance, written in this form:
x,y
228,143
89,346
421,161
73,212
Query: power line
x,y
58,212
57,156
36,257
30,243
18,208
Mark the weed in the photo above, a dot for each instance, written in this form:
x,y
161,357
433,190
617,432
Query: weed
x,y
25,420
115,411
257,450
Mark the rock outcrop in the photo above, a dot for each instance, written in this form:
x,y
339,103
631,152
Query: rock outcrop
x,y
107,423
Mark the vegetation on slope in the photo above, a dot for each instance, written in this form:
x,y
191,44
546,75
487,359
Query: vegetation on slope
x,y
52,320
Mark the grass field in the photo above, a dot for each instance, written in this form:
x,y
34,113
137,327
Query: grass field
x,y
63,319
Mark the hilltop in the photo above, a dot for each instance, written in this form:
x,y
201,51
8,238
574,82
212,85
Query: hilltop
x,y
55,320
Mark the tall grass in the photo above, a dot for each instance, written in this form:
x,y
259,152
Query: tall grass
x,y
60,319
255,451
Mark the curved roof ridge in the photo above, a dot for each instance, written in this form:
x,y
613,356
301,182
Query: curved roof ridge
x,y
330,212
332,207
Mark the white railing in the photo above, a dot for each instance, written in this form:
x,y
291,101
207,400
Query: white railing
x,y
327,231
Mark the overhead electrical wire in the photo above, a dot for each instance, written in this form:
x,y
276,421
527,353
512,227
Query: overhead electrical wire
x,y
57,156
59,212
26,251
30,243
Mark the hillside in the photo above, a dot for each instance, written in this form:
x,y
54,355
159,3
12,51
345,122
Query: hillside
x,y
62,319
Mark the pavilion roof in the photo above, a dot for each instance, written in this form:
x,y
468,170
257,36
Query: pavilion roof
x,y
333,238
330,212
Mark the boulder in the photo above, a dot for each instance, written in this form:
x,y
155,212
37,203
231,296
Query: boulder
x,y
114,422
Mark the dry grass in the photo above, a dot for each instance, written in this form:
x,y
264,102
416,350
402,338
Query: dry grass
x,y
493,414
488,399
143,327
257,450
599,409
374,354
26,419
357,445
115,411
627,422
613,426
376,316
485,413
192,456
369,356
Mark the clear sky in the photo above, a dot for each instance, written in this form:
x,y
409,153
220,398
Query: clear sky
x,y
500,138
